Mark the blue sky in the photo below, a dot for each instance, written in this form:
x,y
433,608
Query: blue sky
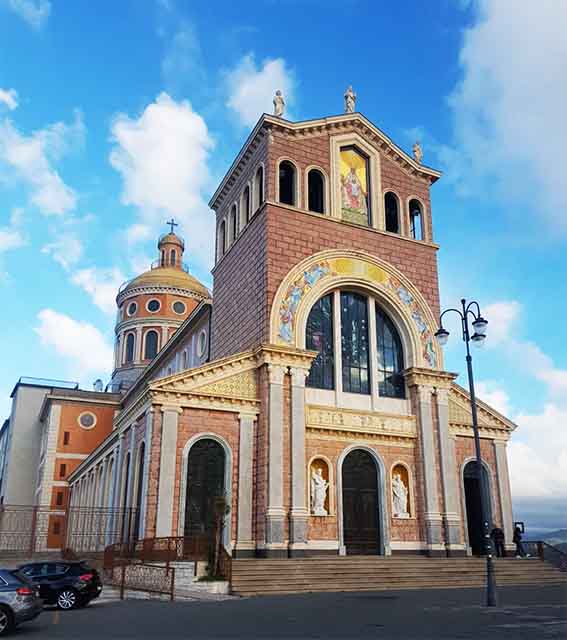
x,y
116,116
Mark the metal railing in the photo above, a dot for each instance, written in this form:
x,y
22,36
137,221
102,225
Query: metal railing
x,y
547,552
142,577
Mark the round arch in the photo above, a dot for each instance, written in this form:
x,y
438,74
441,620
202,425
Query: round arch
x,y
411,486
491,497
383,514
228,461
316,276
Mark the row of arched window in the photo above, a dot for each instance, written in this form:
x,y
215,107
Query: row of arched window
x,y
172,258
251,199
366,348
151,345
288,193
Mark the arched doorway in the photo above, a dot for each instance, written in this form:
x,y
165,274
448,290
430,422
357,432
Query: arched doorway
x,y
361,522
205,482
473,505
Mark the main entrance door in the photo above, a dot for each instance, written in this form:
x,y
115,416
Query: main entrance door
x,y
205,482
361,527
473,506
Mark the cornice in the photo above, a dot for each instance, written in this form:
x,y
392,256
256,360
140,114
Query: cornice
x,y
418,376
155,320
142,290
281,355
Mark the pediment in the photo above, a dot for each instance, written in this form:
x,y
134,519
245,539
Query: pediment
x,y
460,415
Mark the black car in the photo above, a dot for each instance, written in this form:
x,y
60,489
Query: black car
x,y
66,584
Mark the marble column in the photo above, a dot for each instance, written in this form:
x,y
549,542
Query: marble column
x,y
503,480
166,485
449,481
433,520
245,545
299,511
275,513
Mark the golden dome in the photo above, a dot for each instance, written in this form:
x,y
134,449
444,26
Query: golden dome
x,y
168,277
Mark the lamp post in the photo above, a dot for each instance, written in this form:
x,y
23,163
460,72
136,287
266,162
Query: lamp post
x,y
479,324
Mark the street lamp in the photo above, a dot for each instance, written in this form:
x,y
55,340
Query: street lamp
x,y
479,325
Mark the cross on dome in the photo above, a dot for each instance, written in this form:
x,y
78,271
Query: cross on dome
x,y
172,224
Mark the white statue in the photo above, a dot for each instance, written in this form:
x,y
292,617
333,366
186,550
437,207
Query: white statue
x,y
417,152
400,497
350,100
279,104
319,488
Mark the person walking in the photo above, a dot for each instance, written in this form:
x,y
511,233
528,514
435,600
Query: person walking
x,y
520,551
497,536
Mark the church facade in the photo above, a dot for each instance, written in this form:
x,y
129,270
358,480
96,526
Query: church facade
x,y
309,391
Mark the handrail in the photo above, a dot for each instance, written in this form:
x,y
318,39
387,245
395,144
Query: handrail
x,y
549,553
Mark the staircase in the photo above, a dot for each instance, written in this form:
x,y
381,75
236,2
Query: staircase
x,y
375,573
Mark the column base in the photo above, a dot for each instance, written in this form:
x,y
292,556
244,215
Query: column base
x,y
298,528
275,529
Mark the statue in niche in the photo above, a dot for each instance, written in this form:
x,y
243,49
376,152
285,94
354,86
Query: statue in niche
x,y
319,488
417,152
400,497
279,104
350,100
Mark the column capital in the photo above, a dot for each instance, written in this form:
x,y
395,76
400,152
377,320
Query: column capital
x,y
298,376
433,378
167,407
442,396
276,373
243,416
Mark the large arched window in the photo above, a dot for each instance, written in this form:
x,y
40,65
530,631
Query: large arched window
x,y
416,219
259,188
392,212
390,358
151,348
369,351
354,343
316,191
130,344
233,224
287,183
222,238
246,204
319,337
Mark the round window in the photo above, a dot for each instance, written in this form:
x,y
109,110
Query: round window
x,y
132,308
179,307
153,305
202,343
87,420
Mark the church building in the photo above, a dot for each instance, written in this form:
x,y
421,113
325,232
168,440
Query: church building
x,y
309,388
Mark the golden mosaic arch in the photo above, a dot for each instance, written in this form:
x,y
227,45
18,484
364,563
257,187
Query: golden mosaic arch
x,y
322,272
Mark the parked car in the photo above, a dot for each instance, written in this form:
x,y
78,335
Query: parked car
x,y
19,600
66,584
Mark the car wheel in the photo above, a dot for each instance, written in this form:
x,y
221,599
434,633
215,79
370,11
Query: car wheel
x,y
6,621
67,599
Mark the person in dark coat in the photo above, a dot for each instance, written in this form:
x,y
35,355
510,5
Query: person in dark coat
x,y
520,551
497,536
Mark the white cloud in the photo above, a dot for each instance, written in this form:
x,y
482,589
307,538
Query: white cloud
x,y
509,108
80,342
490,392
501,318
67,250
11,236
9,97
30,158
34,12
101,285
182,59
162,156
251,88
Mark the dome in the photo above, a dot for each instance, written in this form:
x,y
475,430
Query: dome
x,y
171,238
167,277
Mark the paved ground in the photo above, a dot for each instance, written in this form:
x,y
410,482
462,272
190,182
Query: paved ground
x,y
524,612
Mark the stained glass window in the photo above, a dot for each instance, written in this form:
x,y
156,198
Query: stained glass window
x,y
355,191
319,337
390,358
354,343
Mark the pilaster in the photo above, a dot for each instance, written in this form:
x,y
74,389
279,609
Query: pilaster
x,y
138,355
503,480
245,545
168,450
299,513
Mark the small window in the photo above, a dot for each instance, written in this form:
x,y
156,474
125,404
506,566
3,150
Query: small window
x,y
162,258
259,187
56,528
59,498
316,191
222,238
416,220
233,224
179,307
246,205
391,211
66,437
287,177
202,343
153,306
62,470
132,308
173,257
151,345
87,420
184,360
130,343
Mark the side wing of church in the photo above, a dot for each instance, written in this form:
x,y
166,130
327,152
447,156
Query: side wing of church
x,y
311,391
